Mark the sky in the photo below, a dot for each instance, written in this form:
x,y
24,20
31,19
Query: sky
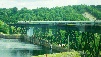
x,y
33,4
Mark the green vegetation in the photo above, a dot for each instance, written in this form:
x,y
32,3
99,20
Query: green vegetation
x,y
78,41
95,12
63,54
66,13
4,27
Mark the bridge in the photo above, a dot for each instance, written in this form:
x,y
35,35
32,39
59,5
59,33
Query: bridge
x,y
65,32
91,26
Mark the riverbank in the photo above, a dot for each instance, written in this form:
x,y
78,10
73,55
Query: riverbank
x,y
63,54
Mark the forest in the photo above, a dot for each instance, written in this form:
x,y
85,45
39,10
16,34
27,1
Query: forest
x,y
64,13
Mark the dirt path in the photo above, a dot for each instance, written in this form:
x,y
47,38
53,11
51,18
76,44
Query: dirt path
x,y
89,16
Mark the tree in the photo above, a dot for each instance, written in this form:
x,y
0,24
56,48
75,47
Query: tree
x,y
4,27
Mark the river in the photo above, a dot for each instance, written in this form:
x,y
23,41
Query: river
x,y
16,48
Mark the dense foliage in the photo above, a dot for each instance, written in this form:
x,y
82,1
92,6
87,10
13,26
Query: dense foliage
x,y
65,13
4,27
71,13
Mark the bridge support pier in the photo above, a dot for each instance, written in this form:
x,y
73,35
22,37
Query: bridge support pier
x,y
30,31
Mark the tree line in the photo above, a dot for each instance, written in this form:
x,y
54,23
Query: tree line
x,y
64,13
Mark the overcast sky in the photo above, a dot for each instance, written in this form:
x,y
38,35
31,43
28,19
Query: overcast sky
x,y
32,4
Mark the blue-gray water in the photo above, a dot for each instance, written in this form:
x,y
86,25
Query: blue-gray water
x,y
15,48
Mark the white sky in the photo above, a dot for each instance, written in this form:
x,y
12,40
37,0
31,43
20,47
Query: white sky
x,y
32,4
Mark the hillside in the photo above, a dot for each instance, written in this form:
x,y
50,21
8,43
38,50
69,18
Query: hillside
x,y
79,42
65,13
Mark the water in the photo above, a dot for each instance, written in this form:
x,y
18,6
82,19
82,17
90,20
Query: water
x,y
15,48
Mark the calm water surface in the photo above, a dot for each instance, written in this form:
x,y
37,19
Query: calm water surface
x,y
15,48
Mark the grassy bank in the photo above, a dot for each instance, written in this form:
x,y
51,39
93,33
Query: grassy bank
x,y
63,54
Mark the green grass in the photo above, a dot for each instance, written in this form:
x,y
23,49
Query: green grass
x,y
63,54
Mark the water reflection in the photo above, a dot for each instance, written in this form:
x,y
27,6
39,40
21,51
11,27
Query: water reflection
x,y
15,48
14,53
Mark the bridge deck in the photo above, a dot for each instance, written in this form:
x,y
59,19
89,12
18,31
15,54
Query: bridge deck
x,y
58,23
